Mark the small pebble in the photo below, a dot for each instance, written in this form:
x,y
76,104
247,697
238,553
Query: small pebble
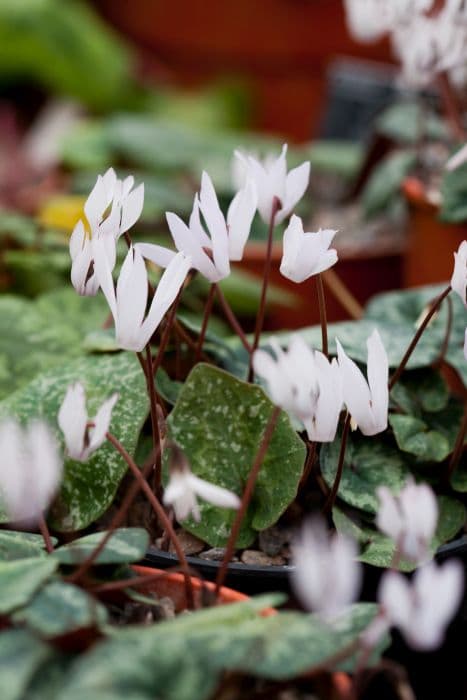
x,y
189,543
254,557
273,539
214,554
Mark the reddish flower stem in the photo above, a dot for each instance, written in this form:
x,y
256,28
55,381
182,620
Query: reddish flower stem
x,y
162,516
276,205
44,530
230,316
247,494
156,438
322,313
328,506
433,308
206,317
117,520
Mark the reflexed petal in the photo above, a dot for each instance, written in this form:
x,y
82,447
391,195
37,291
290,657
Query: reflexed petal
x,y
378,370
13,468
132,295
186,242
104,275
132,207
97,435
292,239
216,225
77,239
388,518
295,187
96,203
356,392
218,496
394,595
72,419
156,253
459,275
239,219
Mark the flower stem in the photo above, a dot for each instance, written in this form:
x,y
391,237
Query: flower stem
x,y
230,316
433,308
276,205
322,314
204,327
328,506
162,516
451,107
117,520
247,494
45,534
156,438
458,447
166,334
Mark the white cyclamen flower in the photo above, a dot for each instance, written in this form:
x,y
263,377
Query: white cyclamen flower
x,y
210,254
81,439
368,20
273,182
423,607
30,469
303,382
426,46
410,518
183,488
112,207
128,303
459,275
306,254
367,403
327,575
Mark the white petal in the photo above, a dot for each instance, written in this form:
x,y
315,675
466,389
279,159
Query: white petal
x,y
216,225
378,370
291,251
132,295
96,203
97,434
330,400
14,463
72,419
218,496
104,274
45,466
156,253
388,518
239,219
132,207
295,187
459,275
77,239
186,242
356,392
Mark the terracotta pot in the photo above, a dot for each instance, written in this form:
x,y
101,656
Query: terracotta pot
x,y
279,49
364,273
172,585
431,242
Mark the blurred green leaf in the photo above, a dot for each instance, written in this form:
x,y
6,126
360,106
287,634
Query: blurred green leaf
x,y
20,579
125,545
385,182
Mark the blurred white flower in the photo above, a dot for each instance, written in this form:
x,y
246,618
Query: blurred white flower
x,y
410,518
367,20
112,208
459,275
367,403
327,575
426,46
30,469
423,607
81,439
306,254
210,254
303,382
183,488
272,181
128,303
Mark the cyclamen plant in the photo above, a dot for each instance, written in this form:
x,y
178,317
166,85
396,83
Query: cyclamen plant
x,y
330,397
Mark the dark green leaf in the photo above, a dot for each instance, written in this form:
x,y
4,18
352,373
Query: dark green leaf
x,y
219,422
20,579
20,545
413,436
60,608
385,181
21,655
88,489
125,545
369,463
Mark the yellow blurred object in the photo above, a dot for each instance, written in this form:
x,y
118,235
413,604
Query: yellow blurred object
x,y
62,212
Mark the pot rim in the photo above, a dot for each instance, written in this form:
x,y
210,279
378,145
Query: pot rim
x,y
457,547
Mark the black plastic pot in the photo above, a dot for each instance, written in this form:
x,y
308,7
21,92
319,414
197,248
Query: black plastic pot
x,y
261,579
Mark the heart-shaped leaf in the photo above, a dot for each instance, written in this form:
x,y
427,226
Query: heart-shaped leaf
x,y
219,421
20,579
87,489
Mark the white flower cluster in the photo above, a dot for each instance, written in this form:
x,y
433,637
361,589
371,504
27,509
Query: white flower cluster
x,y
426,40
327,574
